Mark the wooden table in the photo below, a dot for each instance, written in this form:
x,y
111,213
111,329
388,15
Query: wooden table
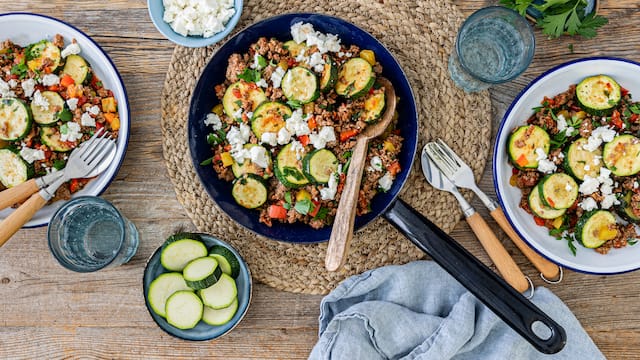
x,y
48,312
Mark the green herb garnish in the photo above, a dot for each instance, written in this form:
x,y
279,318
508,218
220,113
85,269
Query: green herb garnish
x,y
303,206
250,75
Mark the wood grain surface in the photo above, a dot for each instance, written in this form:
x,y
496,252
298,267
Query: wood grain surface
x,y
47,312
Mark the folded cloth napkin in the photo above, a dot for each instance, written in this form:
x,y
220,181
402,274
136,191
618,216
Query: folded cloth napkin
x,y
419,311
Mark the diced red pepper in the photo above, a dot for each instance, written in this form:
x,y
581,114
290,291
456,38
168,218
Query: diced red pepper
x,y
54,88
291,62
633,118
236,93
312,123
539,221
66,80
348,134
277,212
514,171
316,208
551,202
394,168
304,140
74,186
522,160
616,120
623,91
82,100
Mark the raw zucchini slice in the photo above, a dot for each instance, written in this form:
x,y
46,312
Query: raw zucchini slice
x,y
622,155
625,210
300,84
288,168
180,236
355,78
35,54
13,169
329,74
598,95
236,92
52,113
15,119
318,165
523,143
78,68
249,191
558,191
226,259
176,255
202,272
374,106
221,294
594,228
580,162
248,167
541,210
184,309
50,136
269,117
162,287
220,316
294,48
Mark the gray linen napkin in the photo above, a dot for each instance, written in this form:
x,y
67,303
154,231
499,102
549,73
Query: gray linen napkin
x,y
419,311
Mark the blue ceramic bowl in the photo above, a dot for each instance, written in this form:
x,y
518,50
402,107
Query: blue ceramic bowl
x,y
202,331
156,12
204,99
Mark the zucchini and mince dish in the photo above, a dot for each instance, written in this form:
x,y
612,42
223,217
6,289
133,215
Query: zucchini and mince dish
x,y
577,161
287,121
50,102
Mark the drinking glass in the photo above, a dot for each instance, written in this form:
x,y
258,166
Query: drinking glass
x,y
88,233
494,45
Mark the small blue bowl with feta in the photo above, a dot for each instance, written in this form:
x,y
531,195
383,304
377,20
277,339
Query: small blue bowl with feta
x,y
192,23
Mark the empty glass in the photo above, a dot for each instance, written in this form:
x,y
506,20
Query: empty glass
x,y
494,45
88,233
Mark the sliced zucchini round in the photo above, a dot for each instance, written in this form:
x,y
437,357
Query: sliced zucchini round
x,y
226,259
248,167
221,294
269,117
37,53
541,210
176,255
78,68
596,227
288,169
374,106
162,287
294,48
249,191
222,316
622,155
236,92
15,119
579,162
318,165
184,309
13,169
329,74
50,136
202,272
625,210
300,84
598,95
558,191
355,78
52,113
180,236
523,143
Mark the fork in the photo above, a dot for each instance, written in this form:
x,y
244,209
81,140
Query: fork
x,y
81,162
461,175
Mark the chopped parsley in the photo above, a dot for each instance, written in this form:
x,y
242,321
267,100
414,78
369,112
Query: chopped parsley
x,y
250,75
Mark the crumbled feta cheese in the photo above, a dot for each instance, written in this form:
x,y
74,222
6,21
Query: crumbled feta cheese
x,y
598,136
12,83
588,204
589,185
234,136
546,166
258,62
386,181
284,136
30,155
237,114
28,86
302,32
276,77
540,154
325,135
298,125
376,163
568,187
636,185
259,156
72,103
270,138
316,62
299,31
262,83
70,131
561,123
5,90
50,79
609,200
297,147
214,121
87,120
329,192
245,131
94,110
40,100
240,154
198,17
71,49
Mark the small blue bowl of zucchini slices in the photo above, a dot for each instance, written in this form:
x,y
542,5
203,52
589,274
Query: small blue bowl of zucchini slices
x,y
197,287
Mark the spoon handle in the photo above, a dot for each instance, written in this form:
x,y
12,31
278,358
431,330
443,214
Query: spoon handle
x,y
20,216
342,230
17,193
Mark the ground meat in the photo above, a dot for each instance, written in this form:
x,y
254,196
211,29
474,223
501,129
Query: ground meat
x,y
236,67
585,129
527,179
58,41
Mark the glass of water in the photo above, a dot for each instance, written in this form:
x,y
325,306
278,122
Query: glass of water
x,y
494,45
88,233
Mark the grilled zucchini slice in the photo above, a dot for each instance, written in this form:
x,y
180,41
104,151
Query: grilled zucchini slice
x,y
269,117
558,191
622,155
523,143
15,119
37,53
541,210
288,168
236,92
579,162
355,78
51,114
318,165
249,191
300,84
78,68
13,169
596,227
598,95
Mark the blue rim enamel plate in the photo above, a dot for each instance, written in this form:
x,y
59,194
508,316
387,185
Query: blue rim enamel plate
x,y
24,29
204,99
202,331
551,83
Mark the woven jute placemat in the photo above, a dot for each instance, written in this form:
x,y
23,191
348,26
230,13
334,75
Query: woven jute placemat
x,y
420,34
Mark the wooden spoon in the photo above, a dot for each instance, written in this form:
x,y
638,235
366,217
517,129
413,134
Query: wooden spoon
x,y
342,230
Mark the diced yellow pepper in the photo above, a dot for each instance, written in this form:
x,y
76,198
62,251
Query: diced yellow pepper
x,y
283,64
605,233
388,146
109,104
308,108
218,110
226,159
369,56
303,195
113,119
74,91
557,222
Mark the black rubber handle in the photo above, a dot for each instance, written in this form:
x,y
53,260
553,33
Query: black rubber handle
x,y
513,308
